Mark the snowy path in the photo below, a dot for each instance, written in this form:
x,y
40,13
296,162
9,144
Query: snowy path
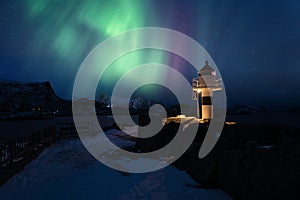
x,y
67,171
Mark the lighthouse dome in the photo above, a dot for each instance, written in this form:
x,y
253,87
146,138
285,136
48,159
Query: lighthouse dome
x,y
207,70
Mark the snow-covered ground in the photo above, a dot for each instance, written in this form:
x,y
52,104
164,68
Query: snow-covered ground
x,y
67,171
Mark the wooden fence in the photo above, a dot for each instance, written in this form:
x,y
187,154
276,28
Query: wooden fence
x,y
16,153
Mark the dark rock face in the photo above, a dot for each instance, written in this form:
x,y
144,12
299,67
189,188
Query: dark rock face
x,y
260,174
248,162
113,126
158,140
18,100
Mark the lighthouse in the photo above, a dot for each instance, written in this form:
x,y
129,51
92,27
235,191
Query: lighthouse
x,y
203,86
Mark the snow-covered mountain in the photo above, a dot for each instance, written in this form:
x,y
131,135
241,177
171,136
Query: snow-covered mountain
x,y
18,100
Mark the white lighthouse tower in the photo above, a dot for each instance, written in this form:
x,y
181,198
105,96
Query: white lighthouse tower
x,y
204,85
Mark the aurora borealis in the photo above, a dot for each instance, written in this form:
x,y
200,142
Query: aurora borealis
x,y
74,25
255,44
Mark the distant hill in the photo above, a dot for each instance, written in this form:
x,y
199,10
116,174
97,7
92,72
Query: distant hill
x,y
245,109
294,108
19,100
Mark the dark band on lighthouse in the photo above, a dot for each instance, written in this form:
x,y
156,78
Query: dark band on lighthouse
x,y
206,100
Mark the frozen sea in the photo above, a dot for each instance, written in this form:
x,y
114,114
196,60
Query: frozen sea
x,y
66,170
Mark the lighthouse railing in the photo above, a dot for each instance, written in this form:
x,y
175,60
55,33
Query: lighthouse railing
x,y
196,83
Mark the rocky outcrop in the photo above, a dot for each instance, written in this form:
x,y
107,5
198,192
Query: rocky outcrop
x,y
260,174
248,161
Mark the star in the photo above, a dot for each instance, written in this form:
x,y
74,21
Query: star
x,y
254,69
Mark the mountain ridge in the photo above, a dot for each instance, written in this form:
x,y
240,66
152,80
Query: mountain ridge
x,y
30,99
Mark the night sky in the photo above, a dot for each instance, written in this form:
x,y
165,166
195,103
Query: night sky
x,y
255,44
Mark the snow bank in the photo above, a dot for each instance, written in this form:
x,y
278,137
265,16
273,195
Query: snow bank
x,y
67,171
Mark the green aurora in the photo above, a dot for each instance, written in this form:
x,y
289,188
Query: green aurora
x,y
84,24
